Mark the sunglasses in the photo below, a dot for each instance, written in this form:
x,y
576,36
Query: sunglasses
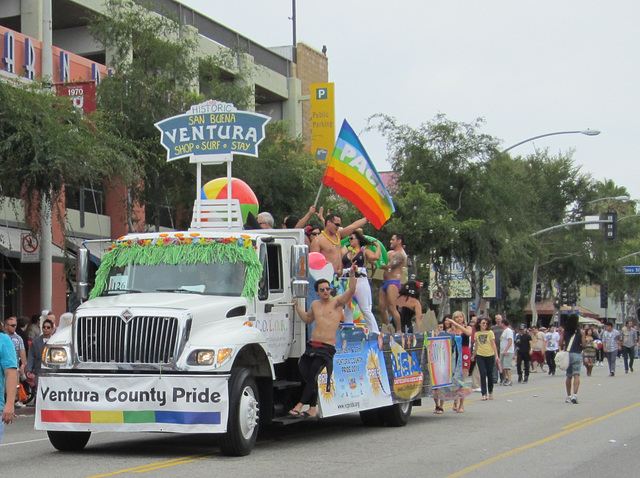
x,y
336,223
11,325
323,289
315,234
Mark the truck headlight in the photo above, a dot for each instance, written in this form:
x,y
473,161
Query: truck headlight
x,y
208,357
56,355
202,357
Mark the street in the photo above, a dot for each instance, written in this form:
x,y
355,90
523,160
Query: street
x,y
528,430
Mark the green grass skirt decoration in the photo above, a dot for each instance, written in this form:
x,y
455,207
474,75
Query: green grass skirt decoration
x,y
179,249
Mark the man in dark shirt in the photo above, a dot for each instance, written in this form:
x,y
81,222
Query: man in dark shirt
x,y
523,343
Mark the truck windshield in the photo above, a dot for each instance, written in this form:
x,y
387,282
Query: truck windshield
x,y
212,279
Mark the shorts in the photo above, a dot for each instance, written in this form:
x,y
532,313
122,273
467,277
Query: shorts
x,y
387,283
575,364
507,361
466,357
537,356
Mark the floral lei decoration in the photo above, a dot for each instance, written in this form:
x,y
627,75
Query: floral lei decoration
x,y
180,248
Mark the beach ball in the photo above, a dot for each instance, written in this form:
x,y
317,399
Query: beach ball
x,y
217,189
317,261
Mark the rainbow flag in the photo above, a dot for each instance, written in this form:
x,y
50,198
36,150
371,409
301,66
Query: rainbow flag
x,y
353,176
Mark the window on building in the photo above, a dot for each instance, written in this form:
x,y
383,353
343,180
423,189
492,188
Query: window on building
x,y
85,199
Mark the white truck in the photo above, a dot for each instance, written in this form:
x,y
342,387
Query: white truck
x,y
195,332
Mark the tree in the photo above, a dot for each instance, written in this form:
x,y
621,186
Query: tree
x,y
156,76
47,144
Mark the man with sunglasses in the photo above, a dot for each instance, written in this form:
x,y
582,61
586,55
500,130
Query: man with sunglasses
x,y
34,362
328,243
326,313
10,326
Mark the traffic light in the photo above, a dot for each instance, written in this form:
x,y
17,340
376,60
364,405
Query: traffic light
x,y
604,296
564,295
611,228
538,292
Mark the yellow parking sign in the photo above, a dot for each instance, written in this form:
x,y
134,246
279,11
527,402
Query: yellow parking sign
x,y
323,134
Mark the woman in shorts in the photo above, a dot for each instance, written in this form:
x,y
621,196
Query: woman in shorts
x,y
575,347
459,327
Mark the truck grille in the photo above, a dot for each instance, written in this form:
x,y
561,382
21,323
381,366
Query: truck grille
x,y
142,339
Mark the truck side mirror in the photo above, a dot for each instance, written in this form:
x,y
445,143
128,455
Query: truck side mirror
x,y
82,273
299,261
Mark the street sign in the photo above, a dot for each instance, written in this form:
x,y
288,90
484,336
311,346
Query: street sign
x,y
29,248
632,270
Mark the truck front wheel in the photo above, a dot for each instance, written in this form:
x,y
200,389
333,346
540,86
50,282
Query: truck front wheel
x,y
68,441
244,414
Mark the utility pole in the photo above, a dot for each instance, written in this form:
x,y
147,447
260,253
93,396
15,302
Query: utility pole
x,y
46,253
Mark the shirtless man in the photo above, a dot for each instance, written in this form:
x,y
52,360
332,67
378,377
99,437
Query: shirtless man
x,y
328,242
326,313
391,282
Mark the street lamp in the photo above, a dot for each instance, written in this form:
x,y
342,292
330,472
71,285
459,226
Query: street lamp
x,y
624,197
587,132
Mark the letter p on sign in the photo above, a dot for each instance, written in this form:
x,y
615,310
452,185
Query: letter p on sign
x,y
322,94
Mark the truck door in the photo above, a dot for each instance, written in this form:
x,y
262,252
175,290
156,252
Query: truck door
x,y
274,312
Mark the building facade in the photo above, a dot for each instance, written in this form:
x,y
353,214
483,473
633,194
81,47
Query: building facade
x,y
280,89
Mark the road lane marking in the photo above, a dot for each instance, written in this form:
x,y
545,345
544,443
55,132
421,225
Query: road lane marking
x,y
155,466
577,426
23,442
566,427
186,460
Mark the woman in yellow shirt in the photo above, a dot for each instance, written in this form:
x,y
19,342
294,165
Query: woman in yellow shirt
x,y
485,355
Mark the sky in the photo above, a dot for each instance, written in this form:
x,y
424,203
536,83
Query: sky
x,y
526,68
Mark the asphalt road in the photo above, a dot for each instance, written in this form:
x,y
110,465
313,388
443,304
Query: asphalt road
x,y
528,430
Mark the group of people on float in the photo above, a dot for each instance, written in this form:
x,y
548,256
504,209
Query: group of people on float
x,y
399,304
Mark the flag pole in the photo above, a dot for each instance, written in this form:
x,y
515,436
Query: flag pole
x,y
315,204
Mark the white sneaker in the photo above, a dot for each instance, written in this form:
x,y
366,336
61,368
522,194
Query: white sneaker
x,y
477,390
18,405
567,400
574,398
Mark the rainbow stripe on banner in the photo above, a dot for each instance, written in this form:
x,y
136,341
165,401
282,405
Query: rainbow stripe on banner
x,y
353,176
141,416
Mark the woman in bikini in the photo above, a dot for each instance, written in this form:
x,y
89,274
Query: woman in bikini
x,y
359,253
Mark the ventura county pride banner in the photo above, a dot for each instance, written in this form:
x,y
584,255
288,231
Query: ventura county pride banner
x,y
133,403
212,128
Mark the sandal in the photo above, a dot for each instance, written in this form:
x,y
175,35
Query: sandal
x,y
455,406
491,397
308,416
293,413
460,410
484,398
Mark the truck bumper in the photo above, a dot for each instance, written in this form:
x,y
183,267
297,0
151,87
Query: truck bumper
x,y
124,403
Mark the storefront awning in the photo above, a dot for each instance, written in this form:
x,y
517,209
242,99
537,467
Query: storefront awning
x,y
11,243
